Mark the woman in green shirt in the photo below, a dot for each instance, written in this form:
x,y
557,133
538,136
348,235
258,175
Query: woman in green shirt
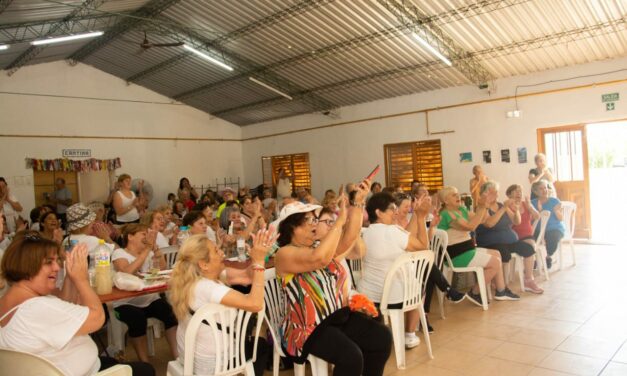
x,y
458,222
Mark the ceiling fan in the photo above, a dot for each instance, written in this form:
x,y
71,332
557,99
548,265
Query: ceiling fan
x,y
146,44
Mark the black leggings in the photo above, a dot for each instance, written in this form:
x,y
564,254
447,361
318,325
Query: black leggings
x,y
139,368
359,346
521,248
436,278
137,318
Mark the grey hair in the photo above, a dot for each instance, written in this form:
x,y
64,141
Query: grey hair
x,y
538,184
488,185
226,213
95,206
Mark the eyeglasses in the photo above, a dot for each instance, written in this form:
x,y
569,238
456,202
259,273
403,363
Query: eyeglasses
x,y
328,222
311,220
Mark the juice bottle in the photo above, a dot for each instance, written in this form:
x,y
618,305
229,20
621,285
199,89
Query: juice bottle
x,y
104,283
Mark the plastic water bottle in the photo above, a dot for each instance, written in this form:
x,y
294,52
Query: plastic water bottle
x,y
102,257
241,248
182,236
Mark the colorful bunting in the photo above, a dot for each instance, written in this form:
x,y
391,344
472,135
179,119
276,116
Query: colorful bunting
x,y
68,165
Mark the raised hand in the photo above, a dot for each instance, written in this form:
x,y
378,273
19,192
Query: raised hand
x,y
422,205
76,263
342,203
57,235
363,189
101,230
263,241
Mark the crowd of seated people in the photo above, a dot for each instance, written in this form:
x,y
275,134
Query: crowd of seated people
x,y
307,243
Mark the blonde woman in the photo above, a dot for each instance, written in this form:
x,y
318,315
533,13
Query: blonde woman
x,y
125,203
195,282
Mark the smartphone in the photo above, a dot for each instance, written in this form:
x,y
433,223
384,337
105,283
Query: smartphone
x,y
373,173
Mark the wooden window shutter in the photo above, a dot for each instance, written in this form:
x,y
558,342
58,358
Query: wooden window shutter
x,y
399,163
296,168
301,177
428,164
408,161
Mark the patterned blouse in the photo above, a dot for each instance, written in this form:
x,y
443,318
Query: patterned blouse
x,y
310,298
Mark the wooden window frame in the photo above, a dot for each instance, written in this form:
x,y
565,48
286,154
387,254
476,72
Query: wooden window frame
x,y
300,180
426,163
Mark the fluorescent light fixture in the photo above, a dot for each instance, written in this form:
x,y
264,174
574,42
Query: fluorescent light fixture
x,y
432,49
66,38
270,88
207,57
3,46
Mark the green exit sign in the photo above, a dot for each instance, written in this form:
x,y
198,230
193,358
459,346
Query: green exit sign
x,y
611,97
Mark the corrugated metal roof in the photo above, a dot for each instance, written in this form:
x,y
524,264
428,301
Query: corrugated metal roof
x,y
341,52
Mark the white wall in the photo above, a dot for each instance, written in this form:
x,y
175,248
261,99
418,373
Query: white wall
x,y
347,153
161,162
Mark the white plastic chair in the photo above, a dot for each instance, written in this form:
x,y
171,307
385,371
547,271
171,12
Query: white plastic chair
x,y
517,262
355,270
438,246
116,332
20,363
540,245
569,209
275,312
170,255
449,269
412,268
228,328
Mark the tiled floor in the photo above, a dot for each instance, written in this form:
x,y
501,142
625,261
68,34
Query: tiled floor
x,y
578,326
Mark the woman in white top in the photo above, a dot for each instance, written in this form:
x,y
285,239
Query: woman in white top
x,y
156,221
385,241
10,205
34,320
283,185
195,282
138,256
125,203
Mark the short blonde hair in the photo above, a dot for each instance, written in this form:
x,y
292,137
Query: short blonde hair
x,y
444,192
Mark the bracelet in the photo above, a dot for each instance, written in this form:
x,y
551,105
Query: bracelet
x,y
258,267
362,205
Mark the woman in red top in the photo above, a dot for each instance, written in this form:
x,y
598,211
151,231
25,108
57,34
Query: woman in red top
x,y
524,230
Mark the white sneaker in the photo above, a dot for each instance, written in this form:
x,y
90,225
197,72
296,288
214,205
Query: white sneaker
x,y
411,340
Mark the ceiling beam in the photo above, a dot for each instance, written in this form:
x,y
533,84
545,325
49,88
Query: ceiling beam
x,y
33,51
431,66
4,4
179,32
136,18
452,15
408,14
269,20
25,32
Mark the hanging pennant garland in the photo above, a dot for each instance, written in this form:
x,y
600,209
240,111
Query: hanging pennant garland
x,y
68,165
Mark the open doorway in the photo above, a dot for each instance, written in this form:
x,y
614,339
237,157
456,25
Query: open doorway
x,y
607,161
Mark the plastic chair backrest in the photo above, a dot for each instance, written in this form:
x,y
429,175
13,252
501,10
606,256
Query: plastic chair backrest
x,y
170,255
117,370
569,209
544,220
273,298
413,269
228,328
355,265
439,242
20,363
